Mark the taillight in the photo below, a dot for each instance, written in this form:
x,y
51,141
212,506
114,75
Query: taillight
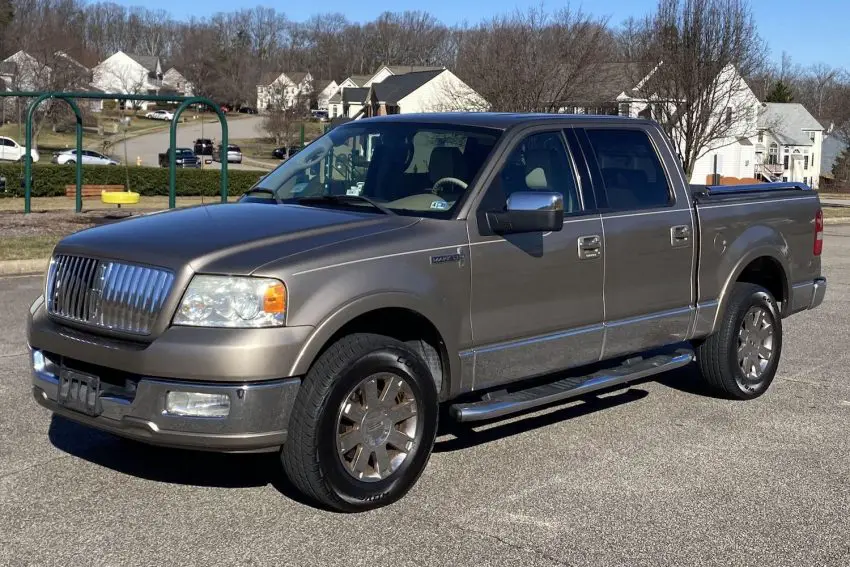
x,y
818,233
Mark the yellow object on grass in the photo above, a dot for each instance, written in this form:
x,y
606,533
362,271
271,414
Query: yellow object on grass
x,y
119,197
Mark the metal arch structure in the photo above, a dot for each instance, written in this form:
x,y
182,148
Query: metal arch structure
x,y
69,97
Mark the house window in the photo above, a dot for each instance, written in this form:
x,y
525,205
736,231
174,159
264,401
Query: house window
x,y
805,162
813,159
624,109
805,181
773,154
812,135
785,162
728,115
785,178
761,136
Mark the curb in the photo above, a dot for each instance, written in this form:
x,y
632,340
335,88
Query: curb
x,y
23,267
845,220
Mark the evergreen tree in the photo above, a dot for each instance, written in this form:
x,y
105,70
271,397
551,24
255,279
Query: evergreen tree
x,y
780,93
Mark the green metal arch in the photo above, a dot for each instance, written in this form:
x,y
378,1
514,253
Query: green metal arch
x,y
172,157
78,206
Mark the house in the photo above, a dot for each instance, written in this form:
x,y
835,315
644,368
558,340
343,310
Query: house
x,y
789,144
335,102
129,74
348,103
176,82
437,90
390,70
29,73
324,90
283,89
614,88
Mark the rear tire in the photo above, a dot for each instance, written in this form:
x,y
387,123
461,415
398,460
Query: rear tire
x,y
363,424
740,360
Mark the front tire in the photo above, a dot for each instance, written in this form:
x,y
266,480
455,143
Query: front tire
x,y
363,425
740,360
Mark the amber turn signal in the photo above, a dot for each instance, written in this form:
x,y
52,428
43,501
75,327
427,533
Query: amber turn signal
x,y
274,300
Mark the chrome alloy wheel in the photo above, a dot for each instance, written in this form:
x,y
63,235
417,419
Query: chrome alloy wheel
x,y
376,427
755,343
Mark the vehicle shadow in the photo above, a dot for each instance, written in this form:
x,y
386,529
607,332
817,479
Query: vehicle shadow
x,y
175,466
464,436
687,380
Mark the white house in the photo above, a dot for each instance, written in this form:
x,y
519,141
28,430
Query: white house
x,y
175,81
324,91
389,70
335,102
129,74
23,72
283,89
789,144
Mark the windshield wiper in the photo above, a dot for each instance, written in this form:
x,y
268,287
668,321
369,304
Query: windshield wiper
x,y
344,199
264,191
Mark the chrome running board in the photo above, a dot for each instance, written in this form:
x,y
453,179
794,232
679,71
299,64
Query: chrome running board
x,y
498,405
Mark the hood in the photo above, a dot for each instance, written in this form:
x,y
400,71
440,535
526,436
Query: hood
x,y
234,238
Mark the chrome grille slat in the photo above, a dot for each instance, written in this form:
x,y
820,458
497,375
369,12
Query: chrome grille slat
x,y
106,294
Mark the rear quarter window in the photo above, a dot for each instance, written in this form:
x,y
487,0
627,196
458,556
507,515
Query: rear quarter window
x,y
631,169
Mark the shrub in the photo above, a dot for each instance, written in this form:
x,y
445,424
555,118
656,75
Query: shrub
x,y
49,180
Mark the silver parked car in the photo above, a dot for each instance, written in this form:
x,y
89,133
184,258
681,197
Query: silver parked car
x,y
234,154
491,263
87,157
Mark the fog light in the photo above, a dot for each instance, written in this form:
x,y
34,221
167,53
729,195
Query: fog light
x,y
38,363
197,404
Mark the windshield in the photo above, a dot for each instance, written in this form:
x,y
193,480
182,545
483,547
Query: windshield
x,y
409,168
184,152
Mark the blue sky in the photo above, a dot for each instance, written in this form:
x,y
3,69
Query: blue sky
x,y
811,32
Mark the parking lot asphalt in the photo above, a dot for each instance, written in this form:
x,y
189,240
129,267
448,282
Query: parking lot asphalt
x,y
657,474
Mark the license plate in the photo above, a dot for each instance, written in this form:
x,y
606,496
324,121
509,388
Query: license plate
x,y
79,392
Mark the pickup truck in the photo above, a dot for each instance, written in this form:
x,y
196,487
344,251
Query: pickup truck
x,y
485,264
183,157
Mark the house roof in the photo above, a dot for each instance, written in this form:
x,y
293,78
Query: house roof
x,y
147,61
394,88
71,60
788,122
270,77
357,95
320,85
359,79
296,76
402,69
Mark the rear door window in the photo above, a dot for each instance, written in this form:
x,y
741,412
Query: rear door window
x,y
631,170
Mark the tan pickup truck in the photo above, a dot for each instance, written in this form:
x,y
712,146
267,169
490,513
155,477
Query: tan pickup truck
x,y
400,263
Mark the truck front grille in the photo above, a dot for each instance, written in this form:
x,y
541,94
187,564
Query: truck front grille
x,y
106,294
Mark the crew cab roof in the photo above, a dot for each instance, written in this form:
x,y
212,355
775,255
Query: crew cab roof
x,y
499,120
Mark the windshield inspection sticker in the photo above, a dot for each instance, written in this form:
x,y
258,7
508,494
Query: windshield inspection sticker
x,y
355,191
440,205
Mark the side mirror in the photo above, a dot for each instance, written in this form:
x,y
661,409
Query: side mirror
x,y
529,211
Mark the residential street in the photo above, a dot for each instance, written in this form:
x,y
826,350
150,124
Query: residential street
x,y
658,474
149,146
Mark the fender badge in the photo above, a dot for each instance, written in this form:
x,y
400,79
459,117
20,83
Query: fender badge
x,y
457,257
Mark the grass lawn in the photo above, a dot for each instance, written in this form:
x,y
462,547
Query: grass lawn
x,y
27,247
836,212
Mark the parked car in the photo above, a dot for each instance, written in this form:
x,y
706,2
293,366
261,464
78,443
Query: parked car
x,y
285,153
183,157
160,115
204,147
247,110
320,115
499,263
234,154
88,157
10,150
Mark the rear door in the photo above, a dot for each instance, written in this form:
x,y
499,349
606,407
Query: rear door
x,y
649,238
3,149
536,302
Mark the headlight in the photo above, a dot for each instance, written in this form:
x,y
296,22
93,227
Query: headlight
x,y
231,301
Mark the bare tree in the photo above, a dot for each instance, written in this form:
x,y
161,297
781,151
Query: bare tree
x,y
283,124
697,92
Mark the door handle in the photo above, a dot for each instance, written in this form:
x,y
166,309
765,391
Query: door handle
x,y
680,235
589,247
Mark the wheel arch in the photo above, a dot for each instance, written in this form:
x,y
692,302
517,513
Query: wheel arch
x,y
399,315
763,266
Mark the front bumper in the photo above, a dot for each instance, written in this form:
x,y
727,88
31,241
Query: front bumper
x,y
251,366
134,407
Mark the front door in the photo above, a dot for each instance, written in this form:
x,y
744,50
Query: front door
x,y
536,303
649,240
